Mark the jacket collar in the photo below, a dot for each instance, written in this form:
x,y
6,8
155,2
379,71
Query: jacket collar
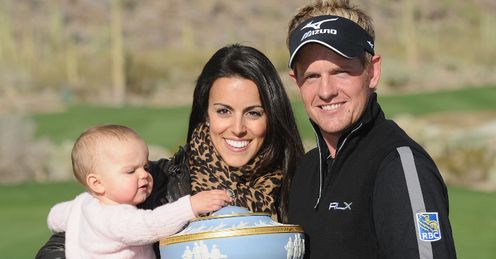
x,y
371,112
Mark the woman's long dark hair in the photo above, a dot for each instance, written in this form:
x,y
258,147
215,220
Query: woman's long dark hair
x,y
282,145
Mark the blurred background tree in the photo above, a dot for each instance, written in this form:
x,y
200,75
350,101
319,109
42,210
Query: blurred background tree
x,y
102,51
66,65
57,53
117,49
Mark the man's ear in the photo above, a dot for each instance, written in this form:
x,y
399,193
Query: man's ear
x,y
95,183
374,72
292,74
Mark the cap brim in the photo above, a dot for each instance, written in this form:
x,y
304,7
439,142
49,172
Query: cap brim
x,y
340,35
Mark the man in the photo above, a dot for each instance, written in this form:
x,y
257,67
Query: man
x,y
367,190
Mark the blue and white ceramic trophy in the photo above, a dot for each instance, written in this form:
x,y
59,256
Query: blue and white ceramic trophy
x,y
234,232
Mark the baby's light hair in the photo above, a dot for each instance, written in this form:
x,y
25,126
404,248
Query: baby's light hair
x,y
85,151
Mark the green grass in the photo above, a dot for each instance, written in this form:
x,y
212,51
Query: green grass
x,y
25,207
467,99
473,224
167,126
162,126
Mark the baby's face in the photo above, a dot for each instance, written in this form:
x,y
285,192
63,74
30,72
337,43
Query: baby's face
x,y
123,166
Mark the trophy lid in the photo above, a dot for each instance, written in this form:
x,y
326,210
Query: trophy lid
x,y
230,221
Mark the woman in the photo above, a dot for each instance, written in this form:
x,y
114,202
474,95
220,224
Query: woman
x,y
242,137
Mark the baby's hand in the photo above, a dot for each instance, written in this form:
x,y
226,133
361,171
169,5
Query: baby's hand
x,y
207,201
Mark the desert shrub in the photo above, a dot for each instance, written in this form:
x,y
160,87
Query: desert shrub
x,y
25,158
21,156
58,166
467,164
465,156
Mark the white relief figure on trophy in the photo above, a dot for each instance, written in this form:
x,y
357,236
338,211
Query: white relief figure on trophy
x,y
201,251
204,251
295,248
298,247
289,249
188,254
216,254
196,251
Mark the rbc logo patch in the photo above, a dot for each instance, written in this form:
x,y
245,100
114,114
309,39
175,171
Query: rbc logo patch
x,y
428,226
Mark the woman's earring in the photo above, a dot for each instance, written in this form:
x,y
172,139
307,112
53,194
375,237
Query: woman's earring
x,y
207,123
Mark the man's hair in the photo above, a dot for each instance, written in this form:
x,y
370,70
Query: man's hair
x,y
341,8
85,151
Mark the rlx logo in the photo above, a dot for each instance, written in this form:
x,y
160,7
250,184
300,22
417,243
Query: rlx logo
x,y
336,206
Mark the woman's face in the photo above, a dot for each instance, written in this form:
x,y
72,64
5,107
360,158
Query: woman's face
x,y
237,119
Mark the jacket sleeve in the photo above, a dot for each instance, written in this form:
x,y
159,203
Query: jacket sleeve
x,y
54,248
136,227
58,215
410,208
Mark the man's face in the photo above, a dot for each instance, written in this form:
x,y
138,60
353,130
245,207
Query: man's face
x,y
334,90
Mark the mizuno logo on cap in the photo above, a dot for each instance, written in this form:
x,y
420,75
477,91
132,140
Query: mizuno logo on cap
x,y
316,26
370,44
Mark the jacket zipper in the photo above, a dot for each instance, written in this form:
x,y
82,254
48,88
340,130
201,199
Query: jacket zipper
x,y
335,157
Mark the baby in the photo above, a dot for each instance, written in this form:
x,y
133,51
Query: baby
x,y
111,161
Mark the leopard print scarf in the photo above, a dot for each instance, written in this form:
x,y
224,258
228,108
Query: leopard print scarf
x,y
208,171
